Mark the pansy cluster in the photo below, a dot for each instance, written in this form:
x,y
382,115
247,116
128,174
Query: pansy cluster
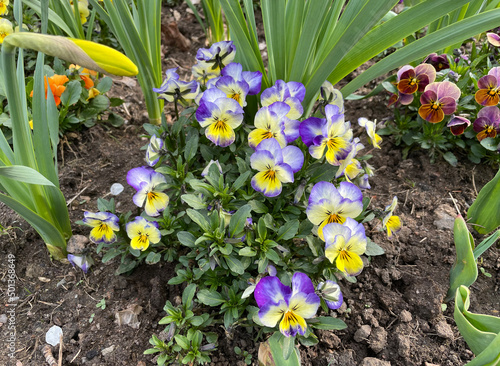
x,y
235,180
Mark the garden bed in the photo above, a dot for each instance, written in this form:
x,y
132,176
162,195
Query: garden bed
x,y
394,312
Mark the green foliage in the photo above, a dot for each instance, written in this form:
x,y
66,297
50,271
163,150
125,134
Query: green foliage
x,y
485,211
184,333
481,332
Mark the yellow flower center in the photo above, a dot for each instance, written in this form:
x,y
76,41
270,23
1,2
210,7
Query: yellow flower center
x,y
221,126
270,175
334,218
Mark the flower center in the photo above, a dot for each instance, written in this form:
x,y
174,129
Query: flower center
x,y
334,218
221,125
152,196
270,175
435,106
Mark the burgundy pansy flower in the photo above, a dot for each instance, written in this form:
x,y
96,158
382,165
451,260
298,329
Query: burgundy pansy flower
x,y
412,79
439,99
458,124
440,62
489,88
487,123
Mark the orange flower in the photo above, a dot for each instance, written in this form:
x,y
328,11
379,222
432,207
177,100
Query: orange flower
x,y
56,86
85,75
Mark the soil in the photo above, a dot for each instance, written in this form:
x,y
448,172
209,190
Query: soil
x,y
394,312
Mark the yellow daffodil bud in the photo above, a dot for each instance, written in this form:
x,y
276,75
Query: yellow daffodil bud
x,y
5,27
91,55
3,7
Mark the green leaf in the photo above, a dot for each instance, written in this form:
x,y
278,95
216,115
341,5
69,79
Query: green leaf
x,y
186,239
24,174
240,181
485,211
450,158
373,249
191,146
464,270
71,94
210,297
182,341
104,84
199,219
247,252
481,332
188,294
288,231
238,220
194,201
234,264
327,323
273,256
153,258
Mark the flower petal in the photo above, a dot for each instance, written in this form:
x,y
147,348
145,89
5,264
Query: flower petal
x,y
271,290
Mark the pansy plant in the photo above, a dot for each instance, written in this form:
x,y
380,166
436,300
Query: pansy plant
x,y
275,165
391,222
269,124
330,137
219,115
489,88
487,123
142,233
344,244
328,204
439,99
104,225
288,306
218,55
145,181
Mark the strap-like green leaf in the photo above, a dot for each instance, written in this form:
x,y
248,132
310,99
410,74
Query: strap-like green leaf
x,y
485,211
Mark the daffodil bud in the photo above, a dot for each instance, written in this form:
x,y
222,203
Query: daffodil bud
x,y
91,55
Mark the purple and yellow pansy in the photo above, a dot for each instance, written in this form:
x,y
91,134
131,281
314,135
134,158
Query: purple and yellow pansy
x,y
275,165
458,124
288,306
218,55
142,233
174,90
328,204
391,222
439,99
487,123
332,135
344,244
153,152
412,79
145,181
219,115
104,225
269,124
370,127
489,88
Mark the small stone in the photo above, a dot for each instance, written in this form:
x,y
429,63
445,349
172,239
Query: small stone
x,y
443,330
378,339
342,308
77,244
362,333
430,364
107,351
343,358
53,334
3,318
372,361
405,316
91,354
445,217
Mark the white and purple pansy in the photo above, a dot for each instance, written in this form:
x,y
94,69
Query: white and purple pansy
x,y
328,204
104,225
252,78
344,244
269,124
275,166
220,115
331,134
350,167
234,89
291,93
145,181
290,307
142,233
174,90
218,55
81,261
330,95
153,152
330,292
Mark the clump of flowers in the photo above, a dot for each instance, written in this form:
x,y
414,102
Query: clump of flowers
x,y
232,187
455,111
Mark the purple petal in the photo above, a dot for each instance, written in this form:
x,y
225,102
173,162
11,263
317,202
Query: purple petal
x,y
487,81
271,290
273,146
302,283
492,113
291,129
234,70
350,191
496,73
294,157
311,128
254,80
138,175
296,90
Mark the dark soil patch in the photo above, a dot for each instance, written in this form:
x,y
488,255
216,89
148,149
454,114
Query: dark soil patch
x,y
393,312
